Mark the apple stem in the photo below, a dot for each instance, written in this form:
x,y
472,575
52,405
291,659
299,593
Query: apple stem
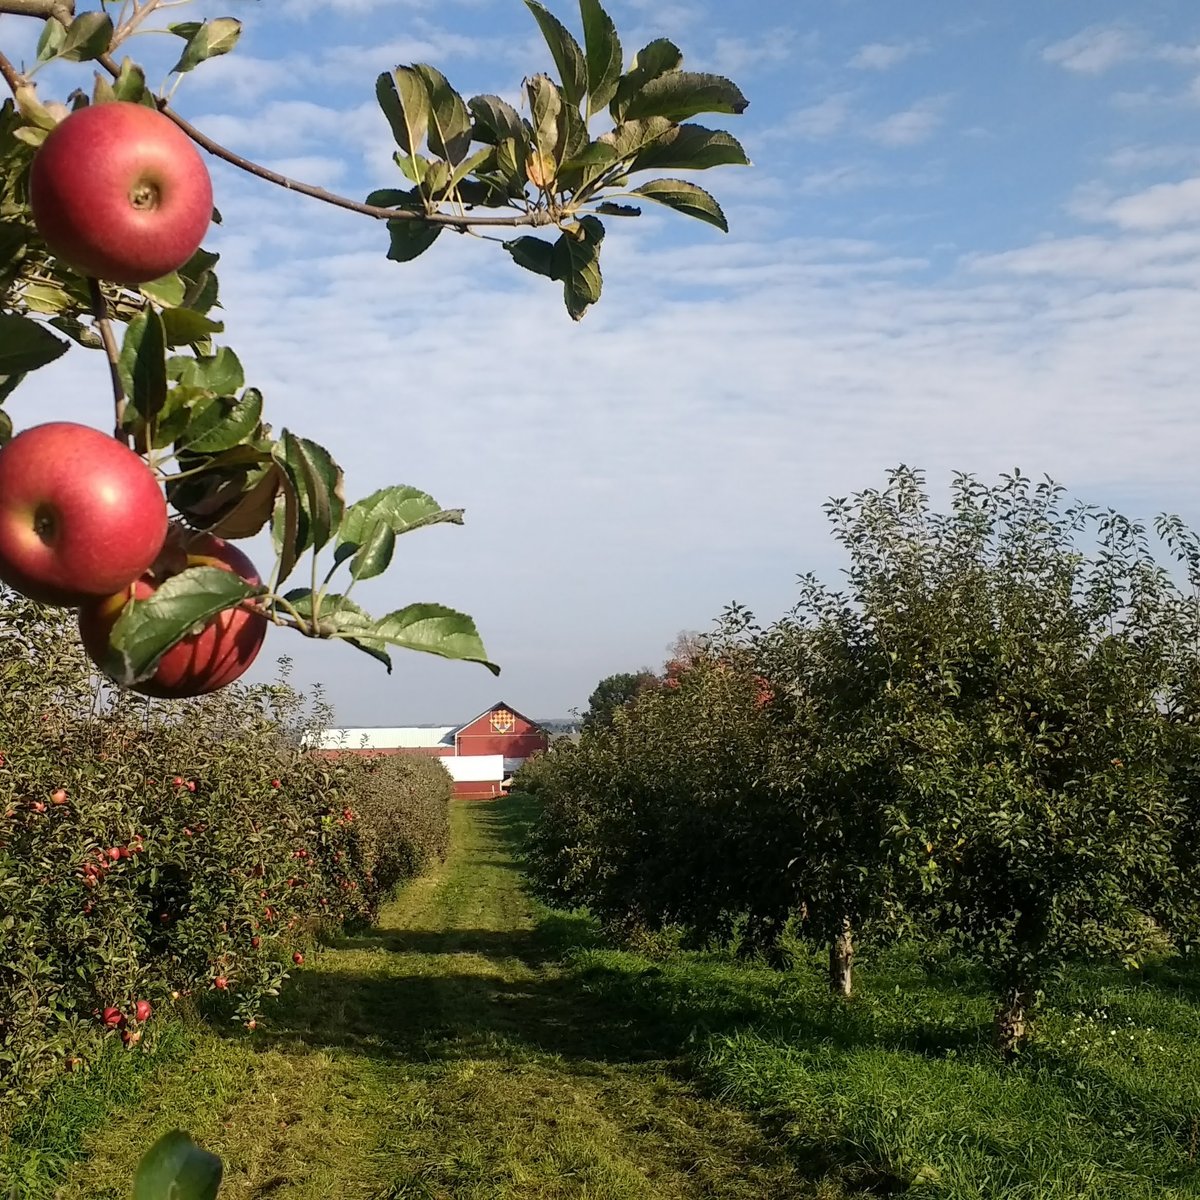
x,y
100,312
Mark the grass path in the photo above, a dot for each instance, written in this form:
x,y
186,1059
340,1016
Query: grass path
x,y
448,1053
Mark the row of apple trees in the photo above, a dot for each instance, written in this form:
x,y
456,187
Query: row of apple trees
x,y
172,854
987,736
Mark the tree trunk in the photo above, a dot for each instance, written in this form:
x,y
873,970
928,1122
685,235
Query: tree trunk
x,y
1012,1020
841,960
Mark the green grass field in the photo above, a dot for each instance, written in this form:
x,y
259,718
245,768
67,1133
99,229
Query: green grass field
x,y
477,1046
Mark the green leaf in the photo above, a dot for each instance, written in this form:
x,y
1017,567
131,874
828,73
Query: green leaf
x,y
468,165
102,90
206,40
685,198
691,148
495,120
26,345
147,629
398,510
143,364
577,264
534,254
679,95
50,43
186,327
449,122
545,105
87,37
341,617
221,372
234,499
510,162
316,482
433,629
169,290
223,423
398,197
77,331
130,84
411,238
651,61
597,154
630,138
6,426
47,298
175,1168
568,57
404,98
604,58
609,209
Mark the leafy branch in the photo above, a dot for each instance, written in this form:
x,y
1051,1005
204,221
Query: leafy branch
x,y
458,156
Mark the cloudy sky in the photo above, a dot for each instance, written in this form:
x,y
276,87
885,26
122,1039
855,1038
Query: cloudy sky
x,y
968,242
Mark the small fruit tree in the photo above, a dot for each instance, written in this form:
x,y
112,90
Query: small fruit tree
x,y
105,201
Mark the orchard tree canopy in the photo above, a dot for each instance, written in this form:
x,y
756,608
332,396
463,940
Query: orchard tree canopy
x,y
606,135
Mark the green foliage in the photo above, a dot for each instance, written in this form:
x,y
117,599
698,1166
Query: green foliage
x,y
195,841
546,166
613,692
403,807
657,817
988,736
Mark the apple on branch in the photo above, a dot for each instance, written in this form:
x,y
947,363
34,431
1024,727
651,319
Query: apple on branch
x,y
81,515
118,191
204,661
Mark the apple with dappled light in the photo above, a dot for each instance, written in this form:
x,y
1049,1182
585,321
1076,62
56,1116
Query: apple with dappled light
x,y
81,515
119,191
202,662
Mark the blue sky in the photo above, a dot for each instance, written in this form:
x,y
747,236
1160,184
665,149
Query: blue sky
x,y
970,241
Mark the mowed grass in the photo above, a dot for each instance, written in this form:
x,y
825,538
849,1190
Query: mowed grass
x,y
449,1053
478,1046
899,1086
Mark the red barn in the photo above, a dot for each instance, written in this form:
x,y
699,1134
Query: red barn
x,y
479,755
504,731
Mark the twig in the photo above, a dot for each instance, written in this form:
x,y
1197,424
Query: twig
x,y
11,75
64,10
536,219
100,312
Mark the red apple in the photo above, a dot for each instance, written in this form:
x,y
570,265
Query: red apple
x,y
142,1010
81,515
298,959
221,983
120,192
113,1017
58,796
203,662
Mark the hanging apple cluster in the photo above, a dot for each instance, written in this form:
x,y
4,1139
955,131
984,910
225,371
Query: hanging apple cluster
x,y
104,204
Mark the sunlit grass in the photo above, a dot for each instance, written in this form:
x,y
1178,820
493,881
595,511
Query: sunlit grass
x,y
477,1047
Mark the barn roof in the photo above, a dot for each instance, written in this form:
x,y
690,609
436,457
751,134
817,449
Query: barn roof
x,y
491,709
379,737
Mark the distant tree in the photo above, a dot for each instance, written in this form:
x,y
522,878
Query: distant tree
x,y
614,692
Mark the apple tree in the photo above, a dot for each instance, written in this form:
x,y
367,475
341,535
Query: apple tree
x,y
105,201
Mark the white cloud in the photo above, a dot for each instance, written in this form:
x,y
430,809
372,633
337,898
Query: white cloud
x,y
1093,51
1162,206
736,56
1144,158
911,126
819,121
882,56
